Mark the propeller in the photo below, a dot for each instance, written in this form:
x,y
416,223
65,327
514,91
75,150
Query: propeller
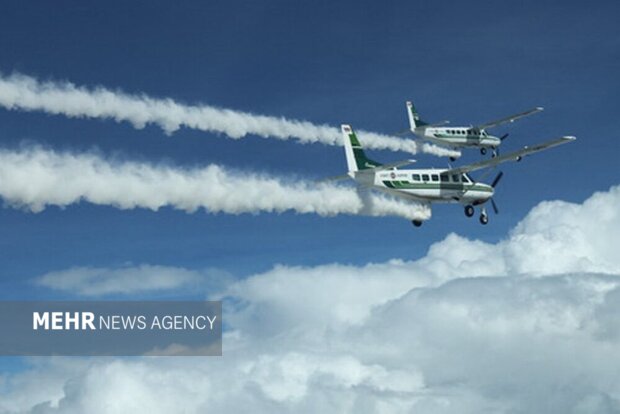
x,y
495,209
497,179
496,149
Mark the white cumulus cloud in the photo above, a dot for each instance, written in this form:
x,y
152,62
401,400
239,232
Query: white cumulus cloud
x,y
127,280
517,326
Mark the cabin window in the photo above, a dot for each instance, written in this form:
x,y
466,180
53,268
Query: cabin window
x,y
444,178
465,179
456,178
424,177
416,177
435,177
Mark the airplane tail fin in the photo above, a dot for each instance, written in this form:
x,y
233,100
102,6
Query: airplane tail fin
x,y
356,159
414,118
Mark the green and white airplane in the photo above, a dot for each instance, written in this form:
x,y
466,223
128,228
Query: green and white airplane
x,y
461,136
427,186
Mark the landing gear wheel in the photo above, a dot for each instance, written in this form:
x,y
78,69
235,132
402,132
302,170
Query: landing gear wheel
x,y
483,151
416,223
469,210
484,219
452,159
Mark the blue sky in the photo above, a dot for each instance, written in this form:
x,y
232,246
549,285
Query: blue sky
x,y
318,61
351,62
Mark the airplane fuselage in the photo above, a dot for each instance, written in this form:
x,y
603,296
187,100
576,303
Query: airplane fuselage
x,y
457,137
427,185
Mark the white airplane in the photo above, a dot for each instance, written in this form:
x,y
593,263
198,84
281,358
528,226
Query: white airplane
x,y
427,186
461,136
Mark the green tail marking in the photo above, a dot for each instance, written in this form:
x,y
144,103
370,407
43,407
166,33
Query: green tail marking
x,y
363,162
416,116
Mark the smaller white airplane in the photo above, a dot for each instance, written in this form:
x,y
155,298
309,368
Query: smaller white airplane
x,y
461,136
427,186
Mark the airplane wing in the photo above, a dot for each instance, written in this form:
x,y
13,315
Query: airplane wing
x,y
513,156
511,118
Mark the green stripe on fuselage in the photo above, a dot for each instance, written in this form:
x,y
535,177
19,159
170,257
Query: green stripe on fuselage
x,y
474,138
406,185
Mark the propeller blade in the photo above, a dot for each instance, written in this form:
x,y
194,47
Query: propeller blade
x,y
497,178
503,137
495,209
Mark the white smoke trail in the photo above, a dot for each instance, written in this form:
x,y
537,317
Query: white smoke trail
x,y
375,204
34,178
20,92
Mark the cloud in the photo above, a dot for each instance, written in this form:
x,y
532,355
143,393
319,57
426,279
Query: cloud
x,y
25,93
35,178
471,327
563,237
130,280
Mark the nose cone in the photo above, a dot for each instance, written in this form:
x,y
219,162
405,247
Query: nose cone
x,y
495,141
489,191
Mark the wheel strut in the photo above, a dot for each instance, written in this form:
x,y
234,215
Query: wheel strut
x,y
484,217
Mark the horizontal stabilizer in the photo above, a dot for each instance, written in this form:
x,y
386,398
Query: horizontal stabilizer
x,y
334,178
438,124
367,170
390,166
